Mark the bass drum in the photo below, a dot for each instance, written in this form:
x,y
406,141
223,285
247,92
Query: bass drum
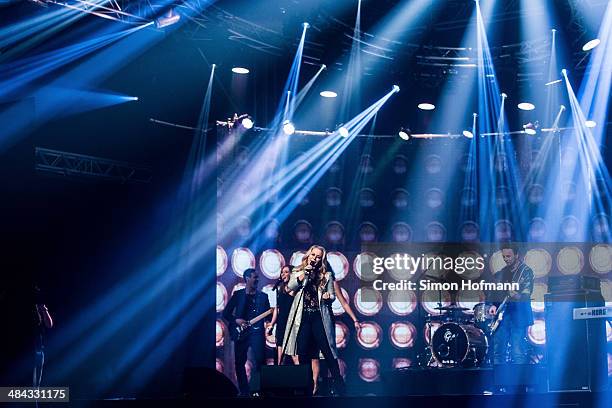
x,y
456,344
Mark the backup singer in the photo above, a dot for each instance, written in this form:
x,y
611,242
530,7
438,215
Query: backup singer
x,y
517,315
284,298
310,327
244,305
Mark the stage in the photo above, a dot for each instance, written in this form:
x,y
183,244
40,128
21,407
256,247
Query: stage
x,y
535,400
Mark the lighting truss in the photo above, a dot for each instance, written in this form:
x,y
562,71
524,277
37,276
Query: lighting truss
x,y
79,165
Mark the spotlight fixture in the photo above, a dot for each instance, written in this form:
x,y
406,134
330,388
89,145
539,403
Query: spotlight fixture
x,y
426,106
504,95
240,70
404,133
167,19
562,108
468,134
328,94
591,44
344,132
590,123
247,123
564,71
531,128
305,25
396,88
323,66
526,106
288,128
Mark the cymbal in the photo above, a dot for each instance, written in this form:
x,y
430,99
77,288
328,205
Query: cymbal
x,y
451,307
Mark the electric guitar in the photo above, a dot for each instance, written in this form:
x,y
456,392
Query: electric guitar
x,y
499,315
238,332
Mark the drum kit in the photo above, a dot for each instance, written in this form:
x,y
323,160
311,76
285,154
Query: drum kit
x,y
457,339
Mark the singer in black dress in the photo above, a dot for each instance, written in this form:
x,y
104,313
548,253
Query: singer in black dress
x,y
284,298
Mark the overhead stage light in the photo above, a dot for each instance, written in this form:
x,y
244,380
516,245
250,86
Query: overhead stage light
x,y
590,123
343,131
240,70
426,106
591,44
504,95
396,88
328,94
526,106
564,71
169,18
468,134
288,128
305,25
531,128
247,123
404,133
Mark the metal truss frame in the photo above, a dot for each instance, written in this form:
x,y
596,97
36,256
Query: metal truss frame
x,y
79,165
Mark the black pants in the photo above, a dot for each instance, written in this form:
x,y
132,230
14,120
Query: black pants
x,y
312,338
257,342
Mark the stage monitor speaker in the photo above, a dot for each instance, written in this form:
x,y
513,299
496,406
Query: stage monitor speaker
x,y
576,349
205,382
286,380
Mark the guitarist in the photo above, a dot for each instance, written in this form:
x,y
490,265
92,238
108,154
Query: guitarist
x,y
244,305
517,314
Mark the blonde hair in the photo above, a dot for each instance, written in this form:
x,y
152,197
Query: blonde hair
x,y
322,269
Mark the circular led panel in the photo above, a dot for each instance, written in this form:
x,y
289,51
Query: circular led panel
x,y
537,229
400,362
363,266
296,258
433,164
337,306
369,369
339,264
496,262
570,260
402,334
401,232
242,259
342,335
221,297
220,333
470,270
271,261
536,333
369,335
434,198
402,302
470,298
367,301
221,260
600,258
537,297
431,299
539,260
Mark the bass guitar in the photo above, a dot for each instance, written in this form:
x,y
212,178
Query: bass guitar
x,y
238,332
